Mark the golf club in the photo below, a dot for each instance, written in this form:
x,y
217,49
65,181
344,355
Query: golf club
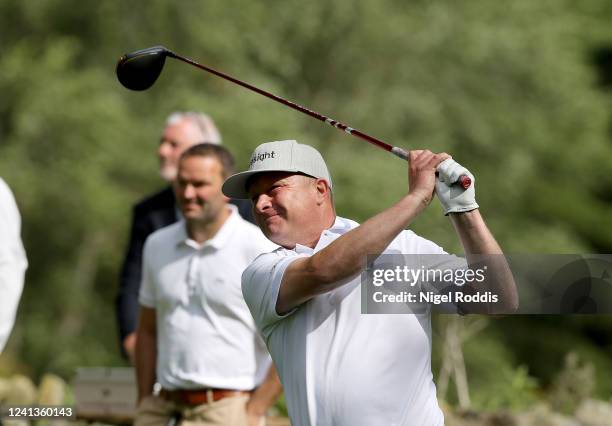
x,y
139,71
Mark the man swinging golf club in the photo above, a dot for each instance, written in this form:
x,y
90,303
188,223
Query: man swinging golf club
x,y
339,367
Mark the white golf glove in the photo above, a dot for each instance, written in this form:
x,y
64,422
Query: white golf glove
x,y
453,197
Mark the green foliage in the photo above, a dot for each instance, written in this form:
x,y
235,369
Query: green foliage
x,y
513,389
508,89
543,342
494,378
574,384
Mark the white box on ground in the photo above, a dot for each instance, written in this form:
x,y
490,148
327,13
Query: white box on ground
x,y
105,394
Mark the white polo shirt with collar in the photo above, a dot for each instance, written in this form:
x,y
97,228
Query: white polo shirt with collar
x,y
337,366
206,336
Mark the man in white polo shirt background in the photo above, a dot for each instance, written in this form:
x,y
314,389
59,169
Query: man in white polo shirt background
x,y
196,337
155,211
339,367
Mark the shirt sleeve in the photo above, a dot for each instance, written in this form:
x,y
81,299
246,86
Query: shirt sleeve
x,y
412,243
260,286
131,274
147,295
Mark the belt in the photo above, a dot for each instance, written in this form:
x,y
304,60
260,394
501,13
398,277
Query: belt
x,y
198,396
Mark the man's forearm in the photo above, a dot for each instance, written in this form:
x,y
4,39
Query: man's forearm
x,y
146,359
478,240
474,234
343,258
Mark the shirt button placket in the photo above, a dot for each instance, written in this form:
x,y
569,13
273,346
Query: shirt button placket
x,y
192,275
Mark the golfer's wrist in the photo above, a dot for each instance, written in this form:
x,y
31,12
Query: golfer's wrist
x,y
419,200
469,219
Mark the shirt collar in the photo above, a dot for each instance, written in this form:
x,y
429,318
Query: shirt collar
x,y
340,226
219,240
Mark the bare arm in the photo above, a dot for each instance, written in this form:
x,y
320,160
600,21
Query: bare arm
x,y
265,395
326,270
477,239
474,234
146,352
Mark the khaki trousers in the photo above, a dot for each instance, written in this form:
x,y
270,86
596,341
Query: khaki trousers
x,y
230,411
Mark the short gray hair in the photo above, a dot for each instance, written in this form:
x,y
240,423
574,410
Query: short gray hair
x,y
210,133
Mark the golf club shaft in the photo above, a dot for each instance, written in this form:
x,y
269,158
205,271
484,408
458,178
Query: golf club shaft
x,y
464,180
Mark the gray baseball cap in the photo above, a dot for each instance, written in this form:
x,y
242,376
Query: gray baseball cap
x,y
278,156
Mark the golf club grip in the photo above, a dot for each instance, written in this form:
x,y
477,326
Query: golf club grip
x,y
464,180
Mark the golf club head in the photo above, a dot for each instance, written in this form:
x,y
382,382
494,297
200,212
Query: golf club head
x,y
139,70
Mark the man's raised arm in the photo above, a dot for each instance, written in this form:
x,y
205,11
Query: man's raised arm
x,y
329,268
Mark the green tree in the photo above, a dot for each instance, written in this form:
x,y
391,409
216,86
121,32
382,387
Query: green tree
x,y
508,89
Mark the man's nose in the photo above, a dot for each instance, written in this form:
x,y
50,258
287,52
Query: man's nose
x,y
164,149
189,191
262,203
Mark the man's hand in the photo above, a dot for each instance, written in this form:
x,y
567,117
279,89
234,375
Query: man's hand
x,y
453,197
263,398
422,165
129,346
254,417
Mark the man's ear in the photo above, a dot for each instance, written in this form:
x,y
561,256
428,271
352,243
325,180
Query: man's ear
x,y
322,190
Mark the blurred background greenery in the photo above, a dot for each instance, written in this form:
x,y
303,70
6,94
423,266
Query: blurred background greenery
x,y
517,91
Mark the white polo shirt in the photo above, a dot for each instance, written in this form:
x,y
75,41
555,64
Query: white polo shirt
x,y
206,336
339,367
13,262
